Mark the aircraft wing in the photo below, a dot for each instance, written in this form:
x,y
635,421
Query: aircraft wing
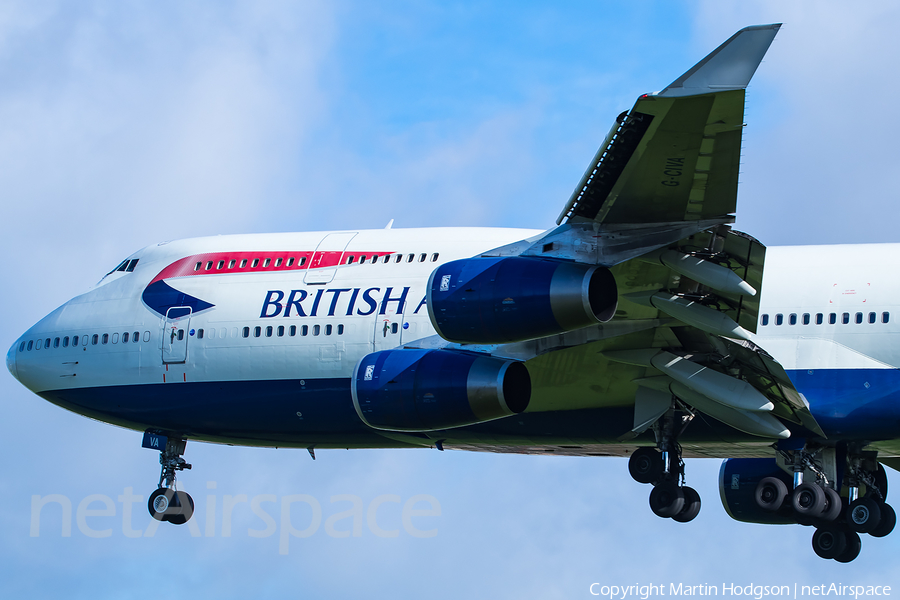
x,y
653,208
675,156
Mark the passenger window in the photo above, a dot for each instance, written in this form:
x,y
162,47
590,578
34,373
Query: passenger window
x,y
30,344
304,330
115,339
220,264
125,338
316,329
56,343
362,259
398,258
245,332
434,257
180,334
765,320
832,318
885,317
197,266
211,335
243,262
871,317
66,342
255,262
74,340
94,339
135,337
290,261
281,331
422,257
793,319
257,331
806,318
779,319
47,343
209,265
231,263
845,318
410,258
386,259
269,331
267,262
374,259
350,259
819,318
278,262
394,328
340,330
22,346
859,318
302,260
328,329
293,330
200,333
39,344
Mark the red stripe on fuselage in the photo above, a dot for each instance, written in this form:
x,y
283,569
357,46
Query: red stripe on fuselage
x,y
187,266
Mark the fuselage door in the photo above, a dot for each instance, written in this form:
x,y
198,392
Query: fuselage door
x,y
175,334
388,327
327,257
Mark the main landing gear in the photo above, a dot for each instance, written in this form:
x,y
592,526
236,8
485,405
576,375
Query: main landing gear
x,y
664,468
838,520
167,503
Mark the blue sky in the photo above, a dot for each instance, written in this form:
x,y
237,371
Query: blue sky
x,y
127,123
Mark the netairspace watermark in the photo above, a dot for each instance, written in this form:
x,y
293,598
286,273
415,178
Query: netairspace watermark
x,y
754,591
291,516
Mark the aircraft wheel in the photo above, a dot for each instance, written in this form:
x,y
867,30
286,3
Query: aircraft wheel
x,y
186,504
888,520
666,499
829,542
770,493
851,551
691,506
645,465
808,500
162,504
864,515
833,505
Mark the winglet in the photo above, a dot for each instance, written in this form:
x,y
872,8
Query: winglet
x,y
728,67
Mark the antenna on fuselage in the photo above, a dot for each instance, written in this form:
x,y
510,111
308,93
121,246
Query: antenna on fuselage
x,y
390,224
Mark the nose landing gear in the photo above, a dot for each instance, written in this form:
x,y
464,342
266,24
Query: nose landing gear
x,y
167,503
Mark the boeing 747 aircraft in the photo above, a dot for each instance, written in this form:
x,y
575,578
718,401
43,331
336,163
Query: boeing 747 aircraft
x,y
641,325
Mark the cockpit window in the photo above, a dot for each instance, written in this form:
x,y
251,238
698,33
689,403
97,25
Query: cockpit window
x,y
132,265
126,266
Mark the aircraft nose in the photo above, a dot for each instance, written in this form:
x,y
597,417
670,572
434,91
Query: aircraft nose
x,y
11,361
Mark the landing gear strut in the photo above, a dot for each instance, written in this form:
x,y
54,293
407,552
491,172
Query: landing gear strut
x,y
838,521
664,468
167,503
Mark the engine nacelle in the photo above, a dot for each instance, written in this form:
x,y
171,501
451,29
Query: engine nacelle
x,y
425,390
738,478
511,299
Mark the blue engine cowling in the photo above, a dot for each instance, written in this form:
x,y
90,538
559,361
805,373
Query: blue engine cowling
x,y
501,300
738,478
425,390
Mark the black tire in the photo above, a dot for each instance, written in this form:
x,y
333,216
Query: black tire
x,y
864,515
161,504
851,551
833,506
808,500
829,542
645,465
186,506
888,521
691,507
770,493
666,499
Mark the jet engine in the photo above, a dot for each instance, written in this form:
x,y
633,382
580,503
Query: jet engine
x,y
738,484
489,300
424,390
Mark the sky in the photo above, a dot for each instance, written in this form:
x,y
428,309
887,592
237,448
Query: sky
x,y
126,123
